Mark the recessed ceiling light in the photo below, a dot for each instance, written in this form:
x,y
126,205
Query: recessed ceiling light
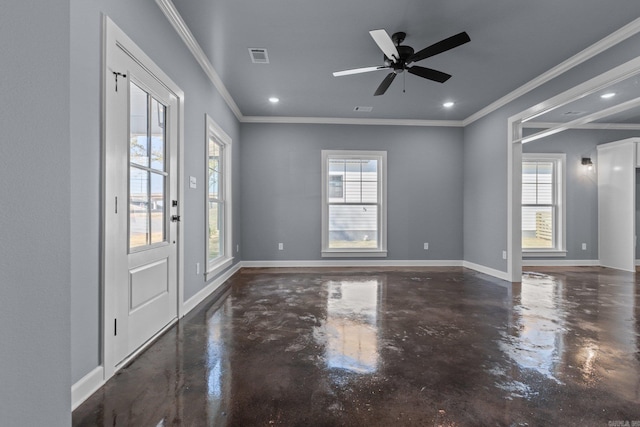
x,y
274,100
608,95
448,104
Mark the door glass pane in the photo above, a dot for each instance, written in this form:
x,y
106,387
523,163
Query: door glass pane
x,y
157,208
537,227
353,226
138,207
157,119
138,125
147,169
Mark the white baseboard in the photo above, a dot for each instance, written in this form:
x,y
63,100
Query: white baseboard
x,y
486,270
351,263
90,383
86,386
192,302
560,263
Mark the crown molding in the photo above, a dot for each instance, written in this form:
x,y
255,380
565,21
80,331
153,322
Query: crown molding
x,y
590,126
172,14
350,121
611,40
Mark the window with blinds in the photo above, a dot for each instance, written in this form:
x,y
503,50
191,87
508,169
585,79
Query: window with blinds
x,y
541,189
354,211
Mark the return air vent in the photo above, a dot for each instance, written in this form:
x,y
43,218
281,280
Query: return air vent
x,y
361,109
259,55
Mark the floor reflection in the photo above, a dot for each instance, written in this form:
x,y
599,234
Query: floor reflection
x,y
404,347
536,337
218,366
351,329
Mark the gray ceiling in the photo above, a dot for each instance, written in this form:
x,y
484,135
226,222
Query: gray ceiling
x,y
512,42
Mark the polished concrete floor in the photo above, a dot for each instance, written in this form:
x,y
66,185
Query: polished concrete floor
x,y
423,347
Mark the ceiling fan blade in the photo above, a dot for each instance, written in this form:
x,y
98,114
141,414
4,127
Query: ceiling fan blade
x,y
385,44
441,46
358,71
385,84
428,73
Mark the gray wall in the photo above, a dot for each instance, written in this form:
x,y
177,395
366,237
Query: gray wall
x,y
485,159
637,210
581,185
35,230
281,186
145,24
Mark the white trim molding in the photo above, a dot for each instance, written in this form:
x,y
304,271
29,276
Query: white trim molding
x,y
561,263
215,133
514,149
86,386
205,292
351,263
380,204
487,270
611,40
586,126
350,121
172,14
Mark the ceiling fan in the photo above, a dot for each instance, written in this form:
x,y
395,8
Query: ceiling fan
x,y
399,58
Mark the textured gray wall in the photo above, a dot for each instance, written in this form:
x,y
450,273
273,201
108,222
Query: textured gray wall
x,y
485,156
582,185
145,24
35,359
281,185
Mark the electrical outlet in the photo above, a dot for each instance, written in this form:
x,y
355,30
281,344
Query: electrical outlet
x,y
426,246
280,246
584,246
504,254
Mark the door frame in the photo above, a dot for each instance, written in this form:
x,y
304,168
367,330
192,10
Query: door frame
x,y
515,140
113,38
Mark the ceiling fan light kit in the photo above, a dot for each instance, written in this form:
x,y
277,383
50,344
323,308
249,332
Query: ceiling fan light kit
x,y
398,58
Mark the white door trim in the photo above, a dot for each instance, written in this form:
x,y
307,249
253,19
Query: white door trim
x,y
514,150
113,38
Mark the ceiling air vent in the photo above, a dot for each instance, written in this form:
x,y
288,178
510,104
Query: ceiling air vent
x,y
363,109
259,55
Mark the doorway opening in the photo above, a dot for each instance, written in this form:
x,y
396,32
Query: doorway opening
x,y
548,118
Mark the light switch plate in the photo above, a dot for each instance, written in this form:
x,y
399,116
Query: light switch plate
x,y
192,182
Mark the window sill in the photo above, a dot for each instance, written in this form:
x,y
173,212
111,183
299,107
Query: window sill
x,y
216,267
328,253
544,254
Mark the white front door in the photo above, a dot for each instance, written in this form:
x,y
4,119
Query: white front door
x,y
140,203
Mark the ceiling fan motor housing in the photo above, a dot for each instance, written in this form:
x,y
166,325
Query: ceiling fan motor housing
x,y
405,52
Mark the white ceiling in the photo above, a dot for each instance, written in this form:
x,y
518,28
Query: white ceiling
x,y
512,42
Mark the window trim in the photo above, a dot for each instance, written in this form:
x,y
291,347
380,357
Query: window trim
x,y
560,195
381,251
217,265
